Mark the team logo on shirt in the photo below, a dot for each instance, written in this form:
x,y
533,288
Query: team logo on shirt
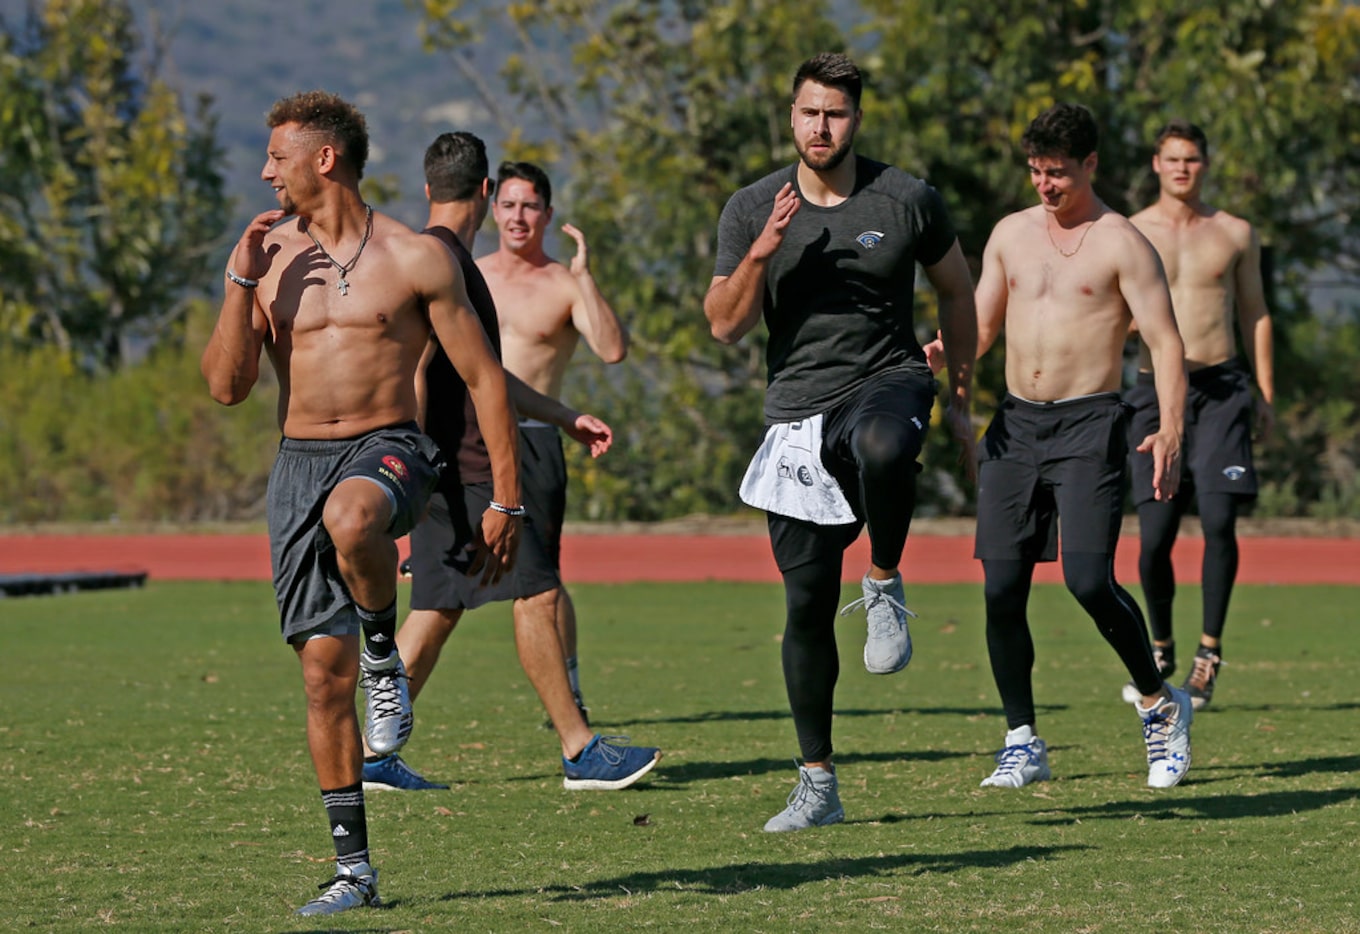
x,y
1234,472
397,467
870,239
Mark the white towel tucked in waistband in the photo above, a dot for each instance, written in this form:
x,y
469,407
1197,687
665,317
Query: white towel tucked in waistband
x,y
786,476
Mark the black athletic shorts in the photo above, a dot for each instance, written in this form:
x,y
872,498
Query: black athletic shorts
x,y
400,459
1216,453
907,395
444,544
543,480
1042,460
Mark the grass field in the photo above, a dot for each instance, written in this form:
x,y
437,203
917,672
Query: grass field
x,y
154,776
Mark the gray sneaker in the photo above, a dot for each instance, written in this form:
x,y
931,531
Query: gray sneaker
x,y
388,717
352,887
814,803
888,646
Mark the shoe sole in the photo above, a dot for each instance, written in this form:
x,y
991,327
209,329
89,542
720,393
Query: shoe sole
x,y
887,671
383,786
830,819
988,783
601,784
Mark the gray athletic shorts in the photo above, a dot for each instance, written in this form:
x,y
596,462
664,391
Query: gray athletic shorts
x,y
1042,460
1216,455
444,544
312,597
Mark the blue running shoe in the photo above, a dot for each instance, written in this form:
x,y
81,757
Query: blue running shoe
x,y
390,773
608,764
352,887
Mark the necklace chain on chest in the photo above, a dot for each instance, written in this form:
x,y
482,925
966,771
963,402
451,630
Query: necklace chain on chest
x,y
1048,228
346,268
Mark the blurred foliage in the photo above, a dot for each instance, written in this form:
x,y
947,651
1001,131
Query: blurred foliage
x,y
110,194
142,443
658,111
650,114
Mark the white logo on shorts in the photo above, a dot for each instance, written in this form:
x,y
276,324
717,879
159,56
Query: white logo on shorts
x,y
1234,472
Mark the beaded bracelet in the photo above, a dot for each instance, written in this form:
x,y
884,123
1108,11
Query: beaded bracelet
x,y
508,510
242,281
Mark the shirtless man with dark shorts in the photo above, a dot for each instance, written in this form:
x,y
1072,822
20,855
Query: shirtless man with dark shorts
x,y
444,583
343,300
1065,278
1213,264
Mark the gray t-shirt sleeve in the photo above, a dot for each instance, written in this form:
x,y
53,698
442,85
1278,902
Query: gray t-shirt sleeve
x,y
734,234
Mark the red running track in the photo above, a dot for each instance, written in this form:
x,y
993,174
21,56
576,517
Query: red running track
x,y
608,558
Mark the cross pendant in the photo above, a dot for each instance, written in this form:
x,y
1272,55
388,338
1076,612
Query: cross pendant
x,y
343,286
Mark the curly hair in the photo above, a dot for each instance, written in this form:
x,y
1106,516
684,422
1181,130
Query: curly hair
x,y
1062,130
335,120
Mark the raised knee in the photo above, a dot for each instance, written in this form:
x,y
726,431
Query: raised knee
x,y
353,521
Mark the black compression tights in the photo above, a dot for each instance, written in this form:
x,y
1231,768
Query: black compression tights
x,y
811,665
1090,578
1158,524
885,449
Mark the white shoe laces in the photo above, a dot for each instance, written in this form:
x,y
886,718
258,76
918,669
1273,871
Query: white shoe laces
x,y
873,600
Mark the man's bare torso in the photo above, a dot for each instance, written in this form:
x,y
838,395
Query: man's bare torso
x,y
346,363
1201,258
1066,317
534,304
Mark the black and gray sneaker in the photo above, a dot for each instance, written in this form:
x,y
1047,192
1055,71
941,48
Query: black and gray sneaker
x,y
352,887
1165,657
1199,684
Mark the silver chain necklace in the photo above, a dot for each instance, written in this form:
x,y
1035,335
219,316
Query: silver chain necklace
x,y
345,269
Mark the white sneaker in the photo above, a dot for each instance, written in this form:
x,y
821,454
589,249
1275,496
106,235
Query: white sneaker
x,y
888,646
1166,729
1024,759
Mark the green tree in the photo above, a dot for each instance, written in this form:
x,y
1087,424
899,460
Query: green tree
x,y
658,111
111,196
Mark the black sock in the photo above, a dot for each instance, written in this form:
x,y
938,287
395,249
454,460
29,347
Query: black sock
x,y
349,824
380,629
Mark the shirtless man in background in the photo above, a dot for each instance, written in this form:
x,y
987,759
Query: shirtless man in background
x,y
1213,264
1065,279
545,309
343,299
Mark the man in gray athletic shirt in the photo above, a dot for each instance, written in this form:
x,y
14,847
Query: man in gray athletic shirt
x,y
826,250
